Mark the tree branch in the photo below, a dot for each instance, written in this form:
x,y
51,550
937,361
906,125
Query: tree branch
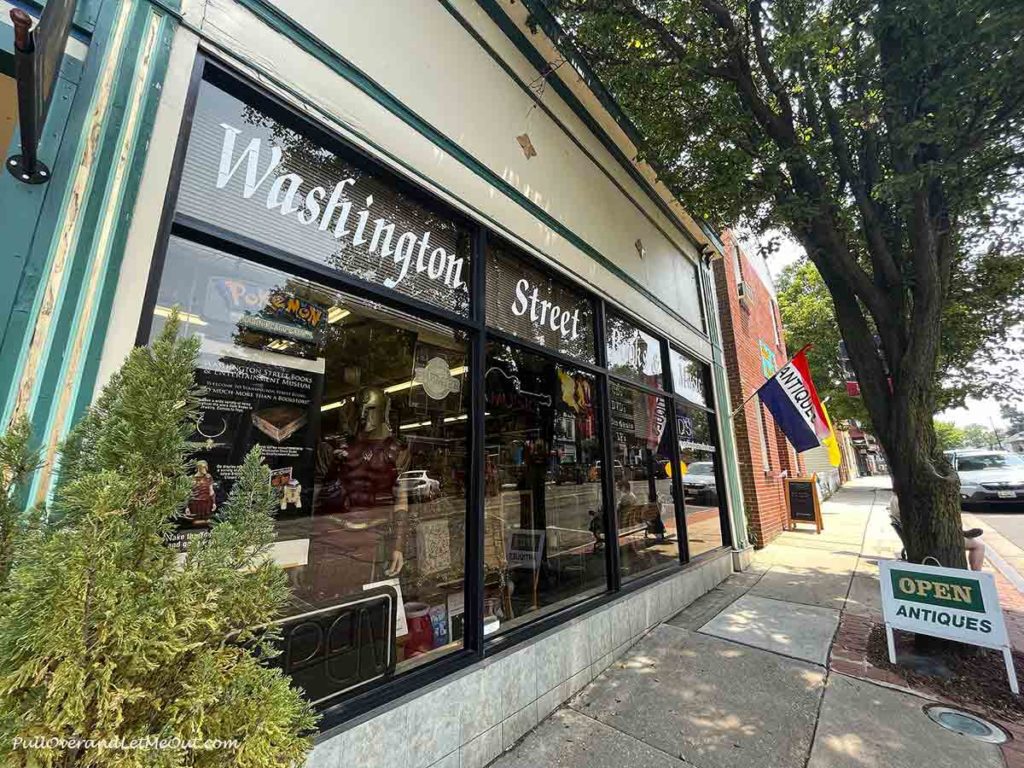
x,y
886,272
764,62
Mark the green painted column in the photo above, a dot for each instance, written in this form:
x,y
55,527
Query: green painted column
x,y
54,335
723,412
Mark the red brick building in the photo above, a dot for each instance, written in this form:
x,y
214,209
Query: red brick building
x,y
754,347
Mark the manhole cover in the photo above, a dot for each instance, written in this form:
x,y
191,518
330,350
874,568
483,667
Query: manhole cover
x,y
966,724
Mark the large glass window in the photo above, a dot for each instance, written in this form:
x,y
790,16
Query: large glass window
x,y
644,505
699,462
544,532
361,412
633,353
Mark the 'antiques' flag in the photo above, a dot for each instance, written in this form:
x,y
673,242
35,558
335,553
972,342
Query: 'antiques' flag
x,y
793,401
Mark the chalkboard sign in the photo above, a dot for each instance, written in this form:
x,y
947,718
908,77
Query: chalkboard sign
x,y
802,501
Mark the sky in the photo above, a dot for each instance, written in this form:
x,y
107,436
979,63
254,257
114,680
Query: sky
x,y
984,412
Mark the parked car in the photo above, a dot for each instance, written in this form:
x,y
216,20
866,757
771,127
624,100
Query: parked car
x,y
699,482
618,471
989,477
417,484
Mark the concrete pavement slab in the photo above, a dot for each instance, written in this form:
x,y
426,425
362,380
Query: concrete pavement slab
x,y
714,703
707,606
807,557
801,541
866,725
865,598
801,631
569,739
811,585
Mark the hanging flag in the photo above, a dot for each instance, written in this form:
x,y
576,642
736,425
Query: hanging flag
x,y
793,401
835,456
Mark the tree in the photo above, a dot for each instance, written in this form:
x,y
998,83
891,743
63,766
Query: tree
x,y
1013,416
948,435
18,461
883,135
977,436
105,633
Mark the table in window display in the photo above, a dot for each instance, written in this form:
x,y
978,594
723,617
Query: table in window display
x,y
371,460
699,457
644,503
544,535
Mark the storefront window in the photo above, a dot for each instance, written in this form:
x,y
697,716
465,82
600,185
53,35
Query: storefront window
x,y
524,301
699,458
361,412
642,469
633,353
544,533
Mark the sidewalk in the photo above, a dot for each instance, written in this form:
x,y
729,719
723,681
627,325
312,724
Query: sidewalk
x,y
769,670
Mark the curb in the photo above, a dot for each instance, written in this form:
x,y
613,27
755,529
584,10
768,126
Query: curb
x,y
1005,568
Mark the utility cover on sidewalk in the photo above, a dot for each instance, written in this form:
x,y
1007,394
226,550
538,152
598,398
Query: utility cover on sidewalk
x,y
966,724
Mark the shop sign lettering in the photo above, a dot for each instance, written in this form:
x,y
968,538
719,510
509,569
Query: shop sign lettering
x,y
545,313
334,210
943,602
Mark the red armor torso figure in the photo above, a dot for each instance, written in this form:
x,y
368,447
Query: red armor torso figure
x,y
202,502
368,469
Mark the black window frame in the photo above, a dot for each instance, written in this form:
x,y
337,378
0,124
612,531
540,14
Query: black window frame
x,y
478,334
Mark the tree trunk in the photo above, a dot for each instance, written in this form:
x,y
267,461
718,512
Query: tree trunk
x,y
923,479
929,508
901,405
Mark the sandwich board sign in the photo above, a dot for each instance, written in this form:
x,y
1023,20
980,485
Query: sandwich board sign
x,y
950,603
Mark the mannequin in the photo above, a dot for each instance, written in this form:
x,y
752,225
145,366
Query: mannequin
x,y
368,468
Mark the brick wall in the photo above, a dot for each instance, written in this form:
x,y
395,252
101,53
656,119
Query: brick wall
x,y
744,324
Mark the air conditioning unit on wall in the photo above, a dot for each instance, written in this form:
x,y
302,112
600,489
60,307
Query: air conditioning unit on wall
x,y
743,292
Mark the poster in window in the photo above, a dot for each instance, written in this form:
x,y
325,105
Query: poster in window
x,y
253,398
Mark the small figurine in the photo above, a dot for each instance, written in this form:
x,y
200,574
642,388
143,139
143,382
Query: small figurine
x,y
291,495
203,501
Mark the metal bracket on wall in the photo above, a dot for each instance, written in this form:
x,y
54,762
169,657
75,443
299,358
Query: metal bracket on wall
x,y
37,56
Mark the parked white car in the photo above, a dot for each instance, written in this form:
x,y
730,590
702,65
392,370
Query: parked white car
x,y
989,477
417,484
699,482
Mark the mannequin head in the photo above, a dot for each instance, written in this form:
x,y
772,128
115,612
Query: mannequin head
x,y
374,405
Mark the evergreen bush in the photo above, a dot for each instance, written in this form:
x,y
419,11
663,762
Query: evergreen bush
x,y
107,633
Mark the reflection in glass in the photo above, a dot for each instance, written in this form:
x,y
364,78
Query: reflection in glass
x,y
362,415
688,377
633,353
643,481
698,455
544,534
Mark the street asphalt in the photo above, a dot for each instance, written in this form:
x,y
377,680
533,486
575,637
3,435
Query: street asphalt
x,y
1010,523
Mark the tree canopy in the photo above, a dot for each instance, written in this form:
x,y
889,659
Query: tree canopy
x,y
883,135
765,112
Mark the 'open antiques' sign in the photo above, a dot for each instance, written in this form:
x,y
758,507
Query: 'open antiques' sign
x,y
944,602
